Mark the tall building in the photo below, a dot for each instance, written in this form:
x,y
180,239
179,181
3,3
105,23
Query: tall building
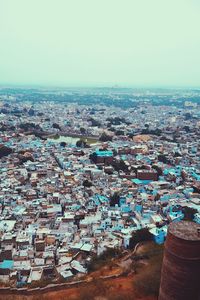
x,y
180,276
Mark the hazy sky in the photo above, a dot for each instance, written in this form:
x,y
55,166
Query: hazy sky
x,y
100,42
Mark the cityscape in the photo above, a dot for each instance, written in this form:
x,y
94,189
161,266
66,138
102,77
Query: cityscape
x,y
78,180
99,150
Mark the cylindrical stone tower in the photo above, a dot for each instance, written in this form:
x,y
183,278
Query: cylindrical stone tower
x,y
180,276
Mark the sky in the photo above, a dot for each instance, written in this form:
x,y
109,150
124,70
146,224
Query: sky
x,y
134,43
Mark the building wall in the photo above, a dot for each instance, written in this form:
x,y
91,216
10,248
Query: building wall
x,y
181,266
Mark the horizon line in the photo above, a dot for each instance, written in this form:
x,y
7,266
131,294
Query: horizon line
x,y
93,86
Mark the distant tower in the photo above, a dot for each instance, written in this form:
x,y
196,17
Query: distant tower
x,y
180,276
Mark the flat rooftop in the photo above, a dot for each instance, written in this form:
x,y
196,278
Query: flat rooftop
x,y
185,230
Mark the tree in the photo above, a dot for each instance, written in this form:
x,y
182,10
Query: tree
x,y
162,158
103,259
157,131
119,132
93,157
105,137
116,120
188,116
120,165
80,144
83,130
131,135
29,126
186,128
56,126
158,169
94,122
141,235
189,213
87,183
114,152
31,112
114,199
63,144
4,151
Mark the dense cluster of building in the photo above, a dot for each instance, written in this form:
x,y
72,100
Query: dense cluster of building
x,y
61,204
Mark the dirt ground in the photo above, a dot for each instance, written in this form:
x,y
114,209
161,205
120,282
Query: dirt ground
x,y
110,289
96,288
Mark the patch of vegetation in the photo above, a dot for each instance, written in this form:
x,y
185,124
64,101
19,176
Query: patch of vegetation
x,y
63,144
119,165
83,130
103,259
29,126
141,235
189,213
147,279
105,137
114,199
80,144
4,151
163,158
87,183
94,122
153,132
56,126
